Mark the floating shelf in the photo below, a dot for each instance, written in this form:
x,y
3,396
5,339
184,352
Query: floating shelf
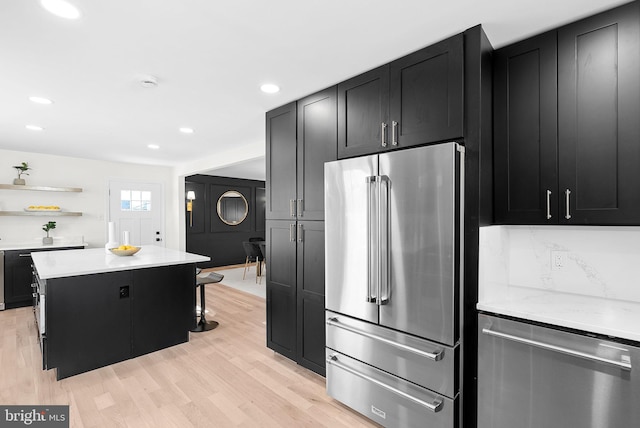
x,y
40,188
40,213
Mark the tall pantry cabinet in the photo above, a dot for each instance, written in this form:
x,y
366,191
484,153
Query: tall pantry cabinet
x,y
301,137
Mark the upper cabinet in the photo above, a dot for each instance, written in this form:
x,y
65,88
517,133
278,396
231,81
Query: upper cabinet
x,y
567,134
417,99
317,135
281,162
301,137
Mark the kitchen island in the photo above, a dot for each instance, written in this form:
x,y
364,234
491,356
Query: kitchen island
x,y
94,309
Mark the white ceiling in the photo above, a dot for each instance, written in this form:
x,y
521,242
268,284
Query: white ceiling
x,y
210,57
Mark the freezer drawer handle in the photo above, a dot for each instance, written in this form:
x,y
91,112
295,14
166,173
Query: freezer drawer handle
x,y
436,406
435,356
547,346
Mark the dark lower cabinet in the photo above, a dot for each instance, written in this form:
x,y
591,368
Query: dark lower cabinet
x,y
310,296
281,287
295,291
566,103
101,319
18,276
88,322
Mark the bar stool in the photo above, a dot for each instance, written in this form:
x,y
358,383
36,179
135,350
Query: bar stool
x,y
201,281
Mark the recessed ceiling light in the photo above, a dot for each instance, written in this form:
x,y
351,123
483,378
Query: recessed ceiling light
x,y
61,8
186,130
269,88
153,146
34,127
40,100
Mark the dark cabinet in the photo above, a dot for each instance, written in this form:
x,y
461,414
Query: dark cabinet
x,y
18,276
310,295
417,99
588,175
281,141
525,131
281,287
88,322
295,291
317,144
295,226
100,319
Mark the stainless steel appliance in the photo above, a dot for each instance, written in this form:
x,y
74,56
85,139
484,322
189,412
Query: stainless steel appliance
x,y
393,245
535,377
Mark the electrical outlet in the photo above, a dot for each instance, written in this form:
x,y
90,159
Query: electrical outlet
x,y
558,260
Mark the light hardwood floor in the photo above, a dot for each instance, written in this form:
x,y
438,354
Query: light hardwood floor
x,y
225,377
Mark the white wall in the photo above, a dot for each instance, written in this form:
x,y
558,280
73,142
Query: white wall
x,y
600,261
93,177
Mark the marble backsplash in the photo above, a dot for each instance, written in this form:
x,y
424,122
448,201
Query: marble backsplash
x,y
598,261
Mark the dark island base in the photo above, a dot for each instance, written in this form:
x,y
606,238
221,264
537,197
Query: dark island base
x,y
96,320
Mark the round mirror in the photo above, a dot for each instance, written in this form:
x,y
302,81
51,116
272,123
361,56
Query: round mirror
x,y
232,208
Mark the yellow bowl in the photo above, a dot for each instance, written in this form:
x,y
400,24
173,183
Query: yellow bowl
x,y
129,252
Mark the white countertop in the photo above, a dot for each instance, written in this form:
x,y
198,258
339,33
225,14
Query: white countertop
x,y
60,264
610,317
36,244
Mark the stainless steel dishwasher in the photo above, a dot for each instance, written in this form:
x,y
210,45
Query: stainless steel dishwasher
x,y
536,377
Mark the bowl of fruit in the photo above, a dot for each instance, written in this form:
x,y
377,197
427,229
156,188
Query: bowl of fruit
x,y
124,250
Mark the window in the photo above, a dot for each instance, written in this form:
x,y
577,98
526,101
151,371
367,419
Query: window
x,y
135,200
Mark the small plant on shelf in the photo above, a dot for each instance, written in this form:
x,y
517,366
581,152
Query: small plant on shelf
x,y
22,169
47,227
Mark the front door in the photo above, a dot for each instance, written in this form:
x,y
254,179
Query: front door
x,y
137,208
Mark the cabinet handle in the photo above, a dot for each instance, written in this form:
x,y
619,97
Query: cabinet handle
x,y
383,131
394,133
292,209
548,204
300,232
567,193
292,232
24,255
299,207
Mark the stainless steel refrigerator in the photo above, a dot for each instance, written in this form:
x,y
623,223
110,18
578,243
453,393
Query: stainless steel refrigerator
x,y
393,247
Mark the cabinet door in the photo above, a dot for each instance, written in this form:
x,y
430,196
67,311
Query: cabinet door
x,y
281,287
310,296
363,109
317,144
524,134
163,307
88,321
281,161
598,125
426,91
18,278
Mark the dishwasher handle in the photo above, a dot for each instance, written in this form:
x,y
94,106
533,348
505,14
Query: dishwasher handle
x,y
560,349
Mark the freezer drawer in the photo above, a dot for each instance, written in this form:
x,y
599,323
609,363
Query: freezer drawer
x,y
428,364
536,377
386,399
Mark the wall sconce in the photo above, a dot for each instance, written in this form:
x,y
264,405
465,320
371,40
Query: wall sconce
x,y
191,195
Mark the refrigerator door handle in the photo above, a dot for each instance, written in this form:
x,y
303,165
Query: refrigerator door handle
x,y
435,356
371,180
383,240
435,406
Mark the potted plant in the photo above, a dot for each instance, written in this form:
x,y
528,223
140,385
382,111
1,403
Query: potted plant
x,y
47,227
22,169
